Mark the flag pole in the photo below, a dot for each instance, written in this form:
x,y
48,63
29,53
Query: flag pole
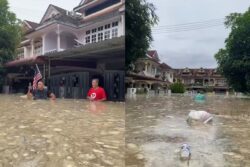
x,y
38,68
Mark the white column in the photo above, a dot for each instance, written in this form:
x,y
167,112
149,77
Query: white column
x,y
58,38
25,52
58,42
121,30
32,48
43,44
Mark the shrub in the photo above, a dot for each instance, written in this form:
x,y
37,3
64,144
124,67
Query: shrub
x,y
177,88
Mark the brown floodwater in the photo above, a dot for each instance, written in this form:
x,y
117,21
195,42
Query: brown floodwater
x,y
64,133
156,127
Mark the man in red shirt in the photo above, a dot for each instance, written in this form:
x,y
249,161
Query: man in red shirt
x,y
96,93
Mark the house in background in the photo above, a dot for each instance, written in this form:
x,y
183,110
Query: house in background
x,y
150,74
71,47
201,79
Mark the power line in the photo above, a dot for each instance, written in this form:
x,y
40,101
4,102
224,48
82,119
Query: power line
x,y
189,26
184,30
197,22
188,29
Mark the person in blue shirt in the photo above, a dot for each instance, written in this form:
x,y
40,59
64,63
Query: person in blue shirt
x,y
41,93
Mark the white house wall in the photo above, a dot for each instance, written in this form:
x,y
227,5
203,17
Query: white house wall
x,y
50,42
67,40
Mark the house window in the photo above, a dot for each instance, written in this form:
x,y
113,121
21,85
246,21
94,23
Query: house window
x,y
107,26
21,55
107,35
115,32
87,39
100,28
114,24
87,32
94,30
94,38
100,36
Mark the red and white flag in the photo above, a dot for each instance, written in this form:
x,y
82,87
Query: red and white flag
x,y
38,76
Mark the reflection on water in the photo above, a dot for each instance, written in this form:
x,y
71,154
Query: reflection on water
x,y
65,133
156,127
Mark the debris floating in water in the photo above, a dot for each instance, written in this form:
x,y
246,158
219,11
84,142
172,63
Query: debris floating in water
x,y
185,153
202,116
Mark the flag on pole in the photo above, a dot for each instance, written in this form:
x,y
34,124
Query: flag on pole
x,y
38,76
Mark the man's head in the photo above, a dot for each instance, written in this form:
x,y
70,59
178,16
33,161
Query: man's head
x,y
40,85
95,83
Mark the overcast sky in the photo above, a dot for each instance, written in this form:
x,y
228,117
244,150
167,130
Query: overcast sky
x,y
33,10
193,48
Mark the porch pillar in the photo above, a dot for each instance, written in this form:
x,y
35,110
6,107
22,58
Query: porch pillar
x,y
122,26
58,38
43,44
146,67
58,42
25,51
32,47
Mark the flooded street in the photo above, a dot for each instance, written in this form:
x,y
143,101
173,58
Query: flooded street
x,y
64,133
156,128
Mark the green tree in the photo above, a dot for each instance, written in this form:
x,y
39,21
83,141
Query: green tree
x,y
177,87
140,17
10,35
234,59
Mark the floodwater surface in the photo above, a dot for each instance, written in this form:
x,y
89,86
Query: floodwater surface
x,y
156,128
64,133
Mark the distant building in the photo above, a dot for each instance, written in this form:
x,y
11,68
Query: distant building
x,y
201,79
150,74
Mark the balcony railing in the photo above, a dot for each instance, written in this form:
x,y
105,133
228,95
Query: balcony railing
x,y
51,51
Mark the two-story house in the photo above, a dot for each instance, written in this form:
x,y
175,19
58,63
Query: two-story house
x,y
149,73
201,79
87,40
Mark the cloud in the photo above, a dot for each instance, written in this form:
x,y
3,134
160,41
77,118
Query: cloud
x,y
193,48
183,58
33,10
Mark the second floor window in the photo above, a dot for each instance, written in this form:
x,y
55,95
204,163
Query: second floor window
x,y
114,32
114,24
104,32
94,30
107,35
100,36
107,26
87,39
87,32
100,28
94,38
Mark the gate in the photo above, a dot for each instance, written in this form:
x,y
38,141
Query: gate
x,y
114,84
71,85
